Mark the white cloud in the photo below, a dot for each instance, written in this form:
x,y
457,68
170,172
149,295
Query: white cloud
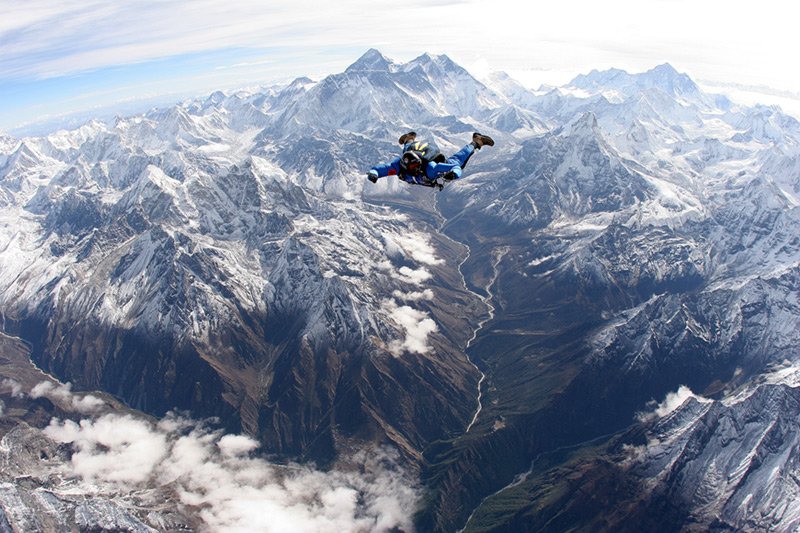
x,y
416,277
671,403
392,248
114,448
414,296
417,326
47,39
65,398
233,490
414,246
236,445
13,387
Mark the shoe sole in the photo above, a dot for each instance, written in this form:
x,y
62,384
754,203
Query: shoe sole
x,y
407,137
483,140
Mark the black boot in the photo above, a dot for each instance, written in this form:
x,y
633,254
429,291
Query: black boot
x,y
479,140
407,138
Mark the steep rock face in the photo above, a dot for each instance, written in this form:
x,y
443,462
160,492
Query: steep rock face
x,y
697,465
565,174
419,92
730,465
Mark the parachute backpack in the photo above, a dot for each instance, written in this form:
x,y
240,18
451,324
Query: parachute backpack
x,y
417,155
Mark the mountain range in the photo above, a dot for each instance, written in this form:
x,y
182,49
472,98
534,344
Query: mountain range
x,y
594,329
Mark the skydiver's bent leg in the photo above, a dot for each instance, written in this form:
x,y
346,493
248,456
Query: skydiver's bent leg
x,y
452,167
461,157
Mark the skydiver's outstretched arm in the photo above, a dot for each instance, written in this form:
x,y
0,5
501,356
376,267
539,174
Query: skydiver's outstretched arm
x,y
383,170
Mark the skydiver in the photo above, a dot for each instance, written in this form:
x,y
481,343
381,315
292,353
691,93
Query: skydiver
x,y
423,164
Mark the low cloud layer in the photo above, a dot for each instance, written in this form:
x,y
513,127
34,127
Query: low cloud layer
x,y
413,246
62,395
414,277
416,324
671,402
119,455
414,296
236,491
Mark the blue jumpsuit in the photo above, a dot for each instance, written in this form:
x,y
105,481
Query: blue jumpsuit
x,y
455,164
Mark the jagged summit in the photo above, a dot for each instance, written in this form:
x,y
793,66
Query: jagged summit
x,y
438,67
597,78
438,64
376,93
663,77
584,125
216,98
372,59
301,82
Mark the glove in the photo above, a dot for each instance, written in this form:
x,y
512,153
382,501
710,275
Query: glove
x,y
449,175
372,176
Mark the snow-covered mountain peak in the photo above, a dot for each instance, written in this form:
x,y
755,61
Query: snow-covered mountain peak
x,y
64,140
25,154
372,60
7,143
216,98
301,83
670,80
216,101
619,82
376,95
584,126
600,79
28,166
503,83
767,124
439,65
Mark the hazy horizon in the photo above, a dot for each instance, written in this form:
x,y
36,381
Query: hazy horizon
x,y
75,59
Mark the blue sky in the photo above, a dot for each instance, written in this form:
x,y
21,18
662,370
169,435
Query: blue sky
x,y
137,85
64,57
